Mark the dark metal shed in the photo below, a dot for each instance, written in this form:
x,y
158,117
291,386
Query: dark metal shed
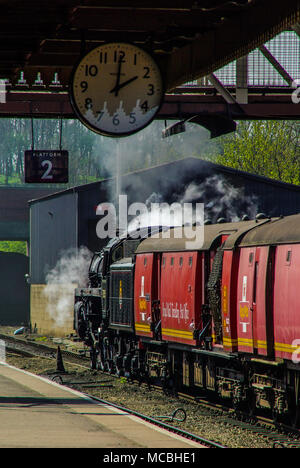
x,y
14,291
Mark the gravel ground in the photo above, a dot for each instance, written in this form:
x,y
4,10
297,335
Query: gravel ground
x,y
150,402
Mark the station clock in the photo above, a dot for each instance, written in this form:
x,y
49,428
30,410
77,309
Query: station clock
x,y
116,89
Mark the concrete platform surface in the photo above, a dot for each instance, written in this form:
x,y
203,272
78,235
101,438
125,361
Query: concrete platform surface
x,y
38,413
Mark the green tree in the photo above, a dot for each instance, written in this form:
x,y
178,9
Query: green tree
x,y
13,246
268,148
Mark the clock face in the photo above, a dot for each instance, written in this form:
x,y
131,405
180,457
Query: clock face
x,y
116,89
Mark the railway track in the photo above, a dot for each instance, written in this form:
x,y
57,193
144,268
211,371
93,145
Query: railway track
x,y
280,435
31,348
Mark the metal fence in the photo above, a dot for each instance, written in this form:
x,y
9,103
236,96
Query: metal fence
x,y
285,48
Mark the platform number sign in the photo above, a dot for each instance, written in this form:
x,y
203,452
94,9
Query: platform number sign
x,y
46,166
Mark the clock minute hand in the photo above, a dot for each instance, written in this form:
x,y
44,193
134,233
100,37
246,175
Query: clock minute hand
x,y
116,88
119,86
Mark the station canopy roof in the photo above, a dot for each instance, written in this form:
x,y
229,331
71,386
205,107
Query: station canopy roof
x,y
190,38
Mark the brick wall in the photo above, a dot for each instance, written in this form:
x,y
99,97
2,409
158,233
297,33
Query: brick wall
x,y
39,314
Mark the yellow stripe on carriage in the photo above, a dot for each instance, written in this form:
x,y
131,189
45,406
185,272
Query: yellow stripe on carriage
x,y
261,344
186,335
286,348
142,328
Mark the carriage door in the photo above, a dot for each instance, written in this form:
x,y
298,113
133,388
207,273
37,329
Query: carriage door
x,y
253,308
246,305
146,295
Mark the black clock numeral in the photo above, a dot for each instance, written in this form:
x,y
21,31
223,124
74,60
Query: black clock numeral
x,y
84,86
88,103
146,76
132,119
100,115
151,90
91,70
145,106
103,57
116,120
119,56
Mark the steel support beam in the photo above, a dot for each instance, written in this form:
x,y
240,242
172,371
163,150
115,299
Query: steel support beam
x,y
182,106
221,89
242,80
274,62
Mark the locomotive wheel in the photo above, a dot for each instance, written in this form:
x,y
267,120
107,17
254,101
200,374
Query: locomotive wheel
x,y
275,416
120,372
101,364
251,404
110,366
93,359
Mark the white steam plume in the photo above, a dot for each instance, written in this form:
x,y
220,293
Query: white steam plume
x,y
219,197
71,271
158,214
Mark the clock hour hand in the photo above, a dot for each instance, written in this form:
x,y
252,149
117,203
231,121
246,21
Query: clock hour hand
x,y
119,86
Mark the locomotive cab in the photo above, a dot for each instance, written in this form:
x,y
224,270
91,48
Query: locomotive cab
x,y
95,270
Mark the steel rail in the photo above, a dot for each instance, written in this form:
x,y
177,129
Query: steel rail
x,y
49,351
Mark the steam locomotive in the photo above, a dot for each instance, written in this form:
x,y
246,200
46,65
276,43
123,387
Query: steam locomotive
x,y
221,318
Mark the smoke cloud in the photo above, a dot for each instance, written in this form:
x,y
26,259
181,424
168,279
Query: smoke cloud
x,y
219,197
71,271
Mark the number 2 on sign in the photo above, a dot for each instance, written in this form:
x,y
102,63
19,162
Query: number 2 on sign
x,y
47,174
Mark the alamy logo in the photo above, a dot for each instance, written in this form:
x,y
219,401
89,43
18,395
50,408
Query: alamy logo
x,y
296,93
187,217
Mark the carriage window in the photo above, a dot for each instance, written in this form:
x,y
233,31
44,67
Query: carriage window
x,y
289,256
251,256
190,261
164,262
181,261
145,261
172,261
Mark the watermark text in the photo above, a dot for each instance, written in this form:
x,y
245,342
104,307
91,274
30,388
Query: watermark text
x,y
187,218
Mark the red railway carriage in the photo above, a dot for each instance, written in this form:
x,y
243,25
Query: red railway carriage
x,y
169,274
244,277
267,289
